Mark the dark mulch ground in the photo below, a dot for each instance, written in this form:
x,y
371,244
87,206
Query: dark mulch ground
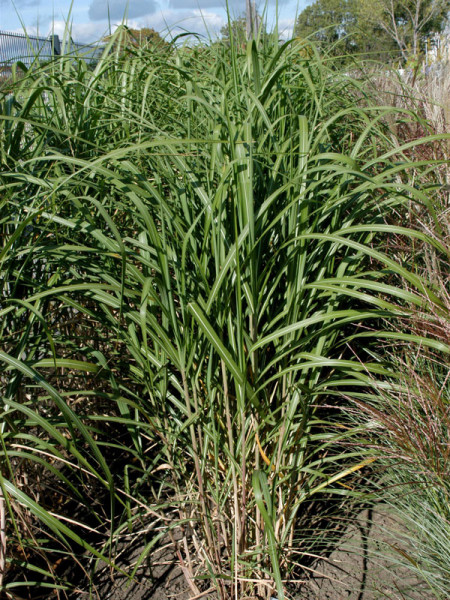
x,y
356,570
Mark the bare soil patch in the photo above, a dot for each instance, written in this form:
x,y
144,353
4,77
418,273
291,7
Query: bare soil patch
x,y
359,569
367,564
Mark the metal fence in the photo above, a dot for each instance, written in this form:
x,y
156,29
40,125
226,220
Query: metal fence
x,y
27,49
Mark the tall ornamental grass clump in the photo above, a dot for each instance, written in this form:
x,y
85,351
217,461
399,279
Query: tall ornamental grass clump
x,y
193,283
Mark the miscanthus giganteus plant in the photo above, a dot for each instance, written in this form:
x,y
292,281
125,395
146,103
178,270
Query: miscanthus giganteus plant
x,y
193,282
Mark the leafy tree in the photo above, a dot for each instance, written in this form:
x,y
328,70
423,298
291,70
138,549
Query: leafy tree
x,y
380,29
325,21
408,23
146,36
341,29
239,30
136,38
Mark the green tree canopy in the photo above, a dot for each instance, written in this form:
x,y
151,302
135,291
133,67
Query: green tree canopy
x,y
146,35
408,23
378,29
326,21
239,31
235,28
134,38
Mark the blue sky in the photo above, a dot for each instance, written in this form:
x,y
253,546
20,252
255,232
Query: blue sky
x,y
89,18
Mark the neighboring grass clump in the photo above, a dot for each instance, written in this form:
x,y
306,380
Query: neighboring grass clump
x,y
410,422
195,285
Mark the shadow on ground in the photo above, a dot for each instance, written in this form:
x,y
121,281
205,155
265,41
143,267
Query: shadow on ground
x,y
368,564
357,570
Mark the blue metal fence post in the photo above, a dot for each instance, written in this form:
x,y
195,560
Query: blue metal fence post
x,y
56,45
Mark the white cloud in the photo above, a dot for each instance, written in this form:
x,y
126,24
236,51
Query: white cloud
x,y
90,17
202,4
203,22
286,28
235,6
82,32
172,22
101,10
168,22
